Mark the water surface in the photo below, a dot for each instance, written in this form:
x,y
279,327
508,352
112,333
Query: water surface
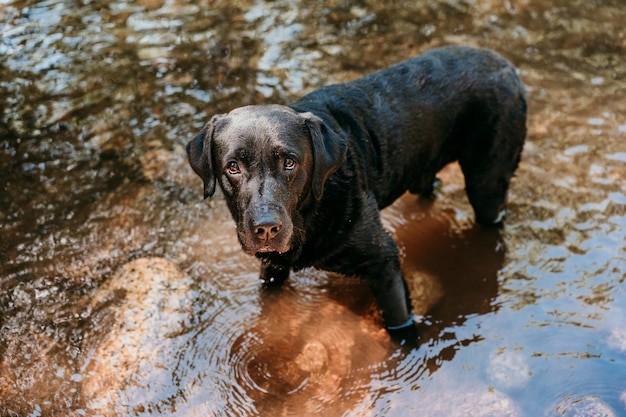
x,y
122,292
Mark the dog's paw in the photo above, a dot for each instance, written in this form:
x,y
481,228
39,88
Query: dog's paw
x,y
271,282
497,222
501,216
405,334
434,189
272,276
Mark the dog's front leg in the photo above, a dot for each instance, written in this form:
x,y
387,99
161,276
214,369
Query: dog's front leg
x,y
272,274
380,269
390,292
395,304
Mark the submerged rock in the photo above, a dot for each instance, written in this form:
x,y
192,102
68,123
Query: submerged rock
x,y
138,313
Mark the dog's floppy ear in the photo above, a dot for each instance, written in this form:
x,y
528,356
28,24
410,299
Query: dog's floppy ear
x,y
199,152
329,151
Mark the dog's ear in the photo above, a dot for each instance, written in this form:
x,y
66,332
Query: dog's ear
x,y
329,151
199,152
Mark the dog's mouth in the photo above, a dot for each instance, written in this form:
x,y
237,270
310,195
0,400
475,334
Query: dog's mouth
x,y
252,245
266,249
265,229
260,251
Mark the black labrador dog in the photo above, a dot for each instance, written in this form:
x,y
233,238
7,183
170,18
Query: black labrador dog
x,y
305,182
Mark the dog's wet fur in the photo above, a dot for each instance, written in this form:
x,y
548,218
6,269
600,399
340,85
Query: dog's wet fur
x,y
305,182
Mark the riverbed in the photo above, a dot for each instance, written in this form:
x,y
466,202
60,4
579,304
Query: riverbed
x,y
124,293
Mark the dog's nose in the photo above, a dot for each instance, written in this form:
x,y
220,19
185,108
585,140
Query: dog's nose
x,y
266,229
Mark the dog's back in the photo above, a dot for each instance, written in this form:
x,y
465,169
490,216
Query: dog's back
x,y
408,121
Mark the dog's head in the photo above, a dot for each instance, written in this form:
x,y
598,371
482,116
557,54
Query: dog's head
x,y
269,161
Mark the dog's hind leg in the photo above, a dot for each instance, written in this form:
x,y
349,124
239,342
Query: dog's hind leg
x,y
490,158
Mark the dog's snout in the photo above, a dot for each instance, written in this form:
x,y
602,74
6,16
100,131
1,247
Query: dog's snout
x,y
266,228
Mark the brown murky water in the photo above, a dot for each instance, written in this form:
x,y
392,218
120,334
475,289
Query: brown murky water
x,y
123,293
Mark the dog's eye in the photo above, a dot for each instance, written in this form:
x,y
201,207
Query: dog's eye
x,y
289,163
233,168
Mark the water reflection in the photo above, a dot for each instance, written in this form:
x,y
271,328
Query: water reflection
x,y
465,261
302,357
314,344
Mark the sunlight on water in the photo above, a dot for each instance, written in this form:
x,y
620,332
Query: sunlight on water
x,y
123,293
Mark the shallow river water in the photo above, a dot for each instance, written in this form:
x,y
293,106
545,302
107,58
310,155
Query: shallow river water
x,y
123,293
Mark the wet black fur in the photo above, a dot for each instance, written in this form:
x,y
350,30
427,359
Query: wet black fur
x,y
370,140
